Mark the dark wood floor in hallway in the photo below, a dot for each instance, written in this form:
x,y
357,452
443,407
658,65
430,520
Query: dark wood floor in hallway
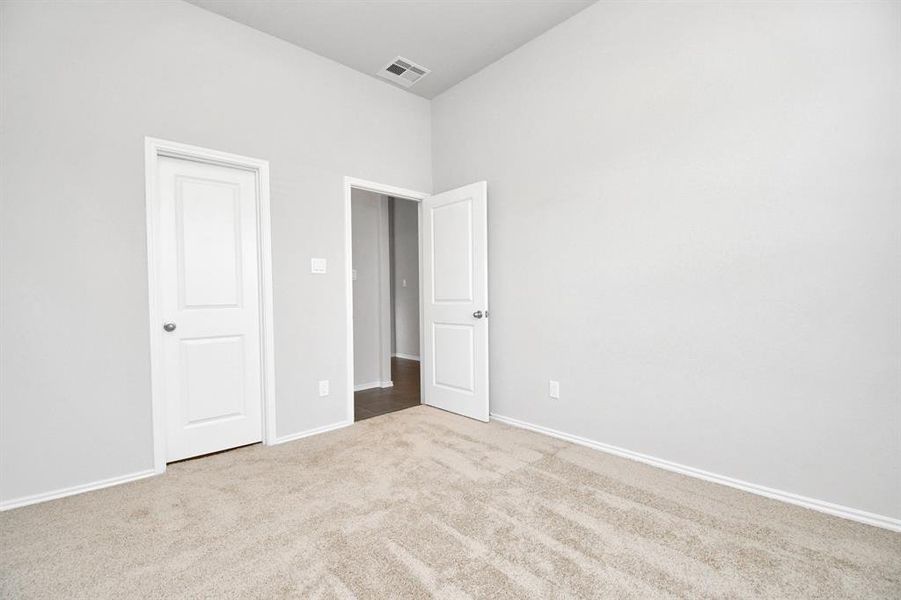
x,y
404,393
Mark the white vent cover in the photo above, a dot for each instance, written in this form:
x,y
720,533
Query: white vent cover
x,y
403,72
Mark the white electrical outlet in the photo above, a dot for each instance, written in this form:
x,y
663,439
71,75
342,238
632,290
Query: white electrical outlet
x,y
323,387
404,284
554,389
353,274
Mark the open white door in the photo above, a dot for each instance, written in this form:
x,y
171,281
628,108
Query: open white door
x,y
455,300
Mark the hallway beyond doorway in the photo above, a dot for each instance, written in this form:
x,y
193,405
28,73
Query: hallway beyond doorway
x,y
404,393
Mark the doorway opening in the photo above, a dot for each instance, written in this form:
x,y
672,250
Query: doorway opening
x,y
385,281
452,251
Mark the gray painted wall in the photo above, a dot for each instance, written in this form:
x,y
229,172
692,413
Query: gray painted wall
x,y
391,271
82,84
694,213
405,242
371,262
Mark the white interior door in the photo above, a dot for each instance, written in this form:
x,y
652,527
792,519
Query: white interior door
x,y
209,278
455,300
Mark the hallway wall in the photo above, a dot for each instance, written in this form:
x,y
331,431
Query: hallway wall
x,y
405,243
371,262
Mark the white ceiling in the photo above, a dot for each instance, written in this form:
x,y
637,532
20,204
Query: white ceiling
x,y
452,38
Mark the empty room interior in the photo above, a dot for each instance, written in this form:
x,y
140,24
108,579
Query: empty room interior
x,y
450,299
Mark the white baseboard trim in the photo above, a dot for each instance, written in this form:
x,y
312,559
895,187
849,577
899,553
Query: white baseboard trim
x,y
373,384
75,489
406,356
829,508
105,483
316,431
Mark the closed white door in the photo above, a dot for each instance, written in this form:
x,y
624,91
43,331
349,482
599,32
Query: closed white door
x,y
209,295
455,300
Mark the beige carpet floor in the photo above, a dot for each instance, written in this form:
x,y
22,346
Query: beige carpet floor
x,y
421,503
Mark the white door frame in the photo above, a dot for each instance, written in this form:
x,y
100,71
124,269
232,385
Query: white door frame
x,y
154,149
388,190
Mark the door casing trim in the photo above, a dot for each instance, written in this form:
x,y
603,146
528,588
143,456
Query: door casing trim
x,y
155,148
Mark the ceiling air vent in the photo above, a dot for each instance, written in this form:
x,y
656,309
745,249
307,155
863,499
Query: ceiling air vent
x,y
403,72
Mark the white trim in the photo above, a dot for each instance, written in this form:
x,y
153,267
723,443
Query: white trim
x,y
153,149
315,431
367,386
372,385
423,388
829,508
384,289
406,356
75,489
388,190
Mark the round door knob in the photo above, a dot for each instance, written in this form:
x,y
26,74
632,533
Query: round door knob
x,y
170,327
478,314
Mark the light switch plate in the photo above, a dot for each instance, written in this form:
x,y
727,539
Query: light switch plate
x,y
554,389
323,387
353,274
318,265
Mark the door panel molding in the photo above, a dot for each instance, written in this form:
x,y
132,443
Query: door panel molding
x,y
462,381
154,149
459,256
